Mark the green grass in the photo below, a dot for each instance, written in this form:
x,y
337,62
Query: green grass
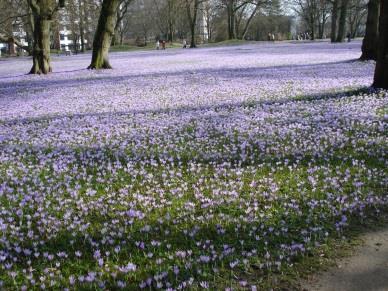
x,y
149,46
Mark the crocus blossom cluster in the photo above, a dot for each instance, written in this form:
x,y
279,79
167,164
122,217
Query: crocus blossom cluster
x,y
180,168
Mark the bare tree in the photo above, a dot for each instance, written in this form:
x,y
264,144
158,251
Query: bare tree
x,y
356,16
14,18
210,13
248,13
314,14
73,17
192,9
121,13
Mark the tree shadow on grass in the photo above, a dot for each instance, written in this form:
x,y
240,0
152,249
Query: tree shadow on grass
x,y
338,152
208,230
186,109
281,72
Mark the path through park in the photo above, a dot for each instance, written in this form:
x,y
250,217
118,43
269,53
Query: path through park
x,y
365,270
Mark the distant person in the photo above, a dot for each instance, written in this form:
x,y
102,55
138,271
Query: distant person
x,y
273,37
163,44
269,36
157,45
184,44
349,37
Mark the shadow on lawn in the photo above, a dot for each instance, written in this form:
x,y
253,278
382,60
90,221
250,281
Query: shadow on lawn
x,y
336,154
185,109
296,222
282,72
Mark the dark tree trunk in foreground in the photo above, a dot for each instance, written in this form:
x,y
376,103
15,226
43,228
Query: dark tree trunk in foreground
x,y
381,72
103,35
42,15
334,19
342,21
369,44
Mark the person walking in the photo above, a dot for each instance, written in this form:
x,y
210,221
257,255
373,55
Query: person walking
x,y
157,44
163,44
184,44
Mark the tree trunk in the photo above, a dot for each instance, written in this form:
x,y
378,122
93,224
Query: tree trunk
x,y
381,72
248,23
56,40
369,44
81,26
320,31
41,46
334,19
192,42
170,36
192,20
231,21
117,26
11,46
121,37
321,26
104,34
342,21
114,38
357,26
312,26
86,25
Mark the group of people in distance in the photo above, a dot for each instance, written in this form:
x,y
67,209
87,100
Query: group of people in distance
x,y
271,37
163,44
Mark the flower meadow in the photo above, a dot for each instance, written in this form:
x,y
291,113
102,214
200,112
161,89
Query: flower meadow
x,y
214,168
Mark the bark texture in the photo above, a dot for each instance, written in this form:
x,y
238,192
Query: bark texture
x,y
103,36
342,21
381,72
231,19
369,44
42,15
334,20
192,12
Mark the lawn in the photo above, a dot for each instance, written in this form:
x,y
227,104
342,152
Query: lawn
x,y
212,168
